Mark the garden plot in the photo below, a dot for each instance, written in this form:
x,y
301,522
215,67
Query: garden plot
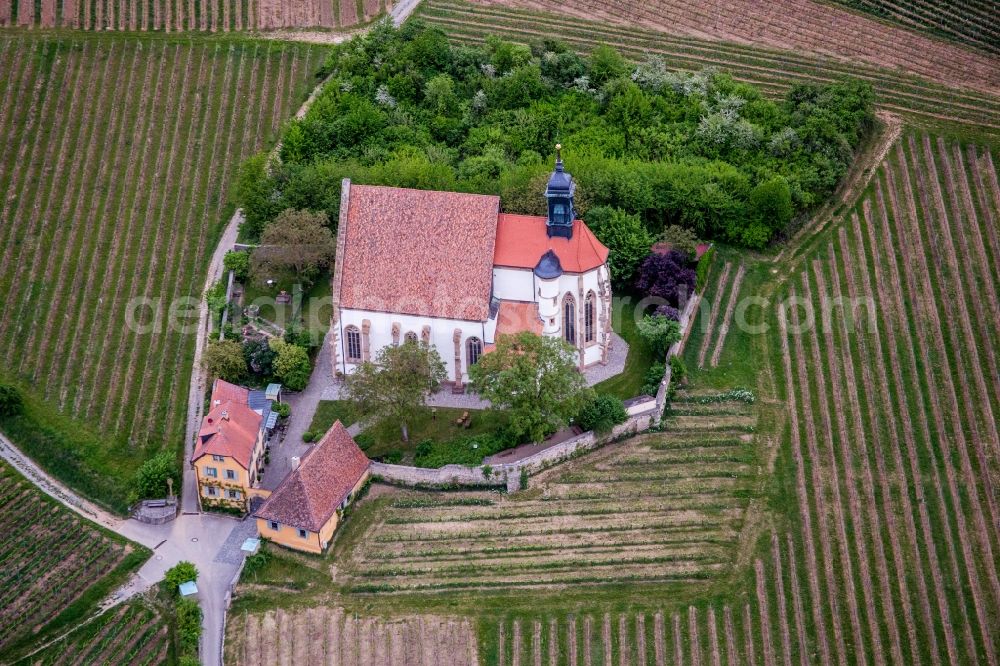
x,y
660,507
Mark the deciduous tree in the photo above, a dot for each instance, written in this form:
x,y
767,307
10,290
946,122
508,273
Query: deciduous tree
x,y
397,383
625,237
536,379
297,242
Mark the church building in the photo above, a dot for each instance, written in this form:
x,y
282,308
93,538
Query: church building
x,y
454,271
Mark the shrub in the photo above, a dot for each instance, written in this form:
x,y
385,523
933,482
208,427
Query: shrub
x,y
602,414
215,297
309,436
704,266
626,238
668,311
259,356
660,333
681,239
291,364
188,625
666,276
151,477
181,572
678,370
11,402
654,375
393,457
224,359
256,562
282,409
238,261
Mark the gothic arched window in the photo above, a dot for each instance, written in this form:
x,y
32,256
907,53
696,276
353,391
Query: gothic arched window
x,y
569,320
410,337
589,317
352,344
473,350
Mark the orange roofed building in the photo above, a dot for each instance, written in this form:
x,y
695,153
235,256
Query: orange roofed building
x,y
455,271
304,510
229,454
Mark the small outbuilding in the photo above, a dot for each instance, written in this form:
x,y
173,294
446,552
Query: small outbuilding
x,y
304,510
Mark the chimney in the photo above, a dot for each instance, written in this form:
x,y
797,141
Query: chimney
x,y
225,416
295,462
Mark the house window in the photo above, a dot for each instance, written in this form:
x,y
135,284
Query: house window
x,y
589,315
234,494
410,337
230,474
210,491
219,458
274,526
569,320
303,534
353,344
473,350
212,472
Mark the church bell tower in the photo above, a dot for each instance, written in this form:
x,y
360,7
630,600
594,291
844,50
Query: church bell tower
x,y
559,194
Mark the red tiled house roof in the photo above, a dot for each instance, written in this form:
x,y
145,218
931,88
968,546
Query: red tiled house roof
x,y
308,497
523,239
223,390
417,252
229,429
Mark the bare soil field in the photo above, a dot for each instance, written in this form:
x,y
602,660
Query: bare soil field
x,y
329,635
797,25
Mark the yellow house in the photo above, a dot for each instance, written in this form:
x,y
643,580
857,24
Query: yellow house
x,y
229,454
304,510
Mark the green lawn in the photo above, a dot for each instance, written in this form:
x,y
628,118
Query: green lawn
x,y
449,440
629,383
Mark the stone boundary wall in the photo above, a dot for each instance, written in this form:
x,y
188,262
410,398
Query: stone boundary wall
x,y
509,474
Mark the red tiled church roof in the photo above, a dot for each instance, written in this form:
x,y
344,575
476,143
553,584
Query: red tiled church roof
x,y
310,495
229,429
523,239
418,252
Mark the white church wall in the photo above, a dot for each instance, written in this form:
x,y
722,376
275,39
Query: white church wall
x,y
380,334
513,284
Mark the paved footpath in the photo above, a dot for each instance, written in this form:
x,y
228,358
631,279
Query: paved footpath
x,y
212,542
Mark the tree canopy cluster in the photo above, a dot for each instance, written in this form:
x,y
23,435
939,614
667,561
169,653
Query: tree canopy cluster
x,y
403,107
